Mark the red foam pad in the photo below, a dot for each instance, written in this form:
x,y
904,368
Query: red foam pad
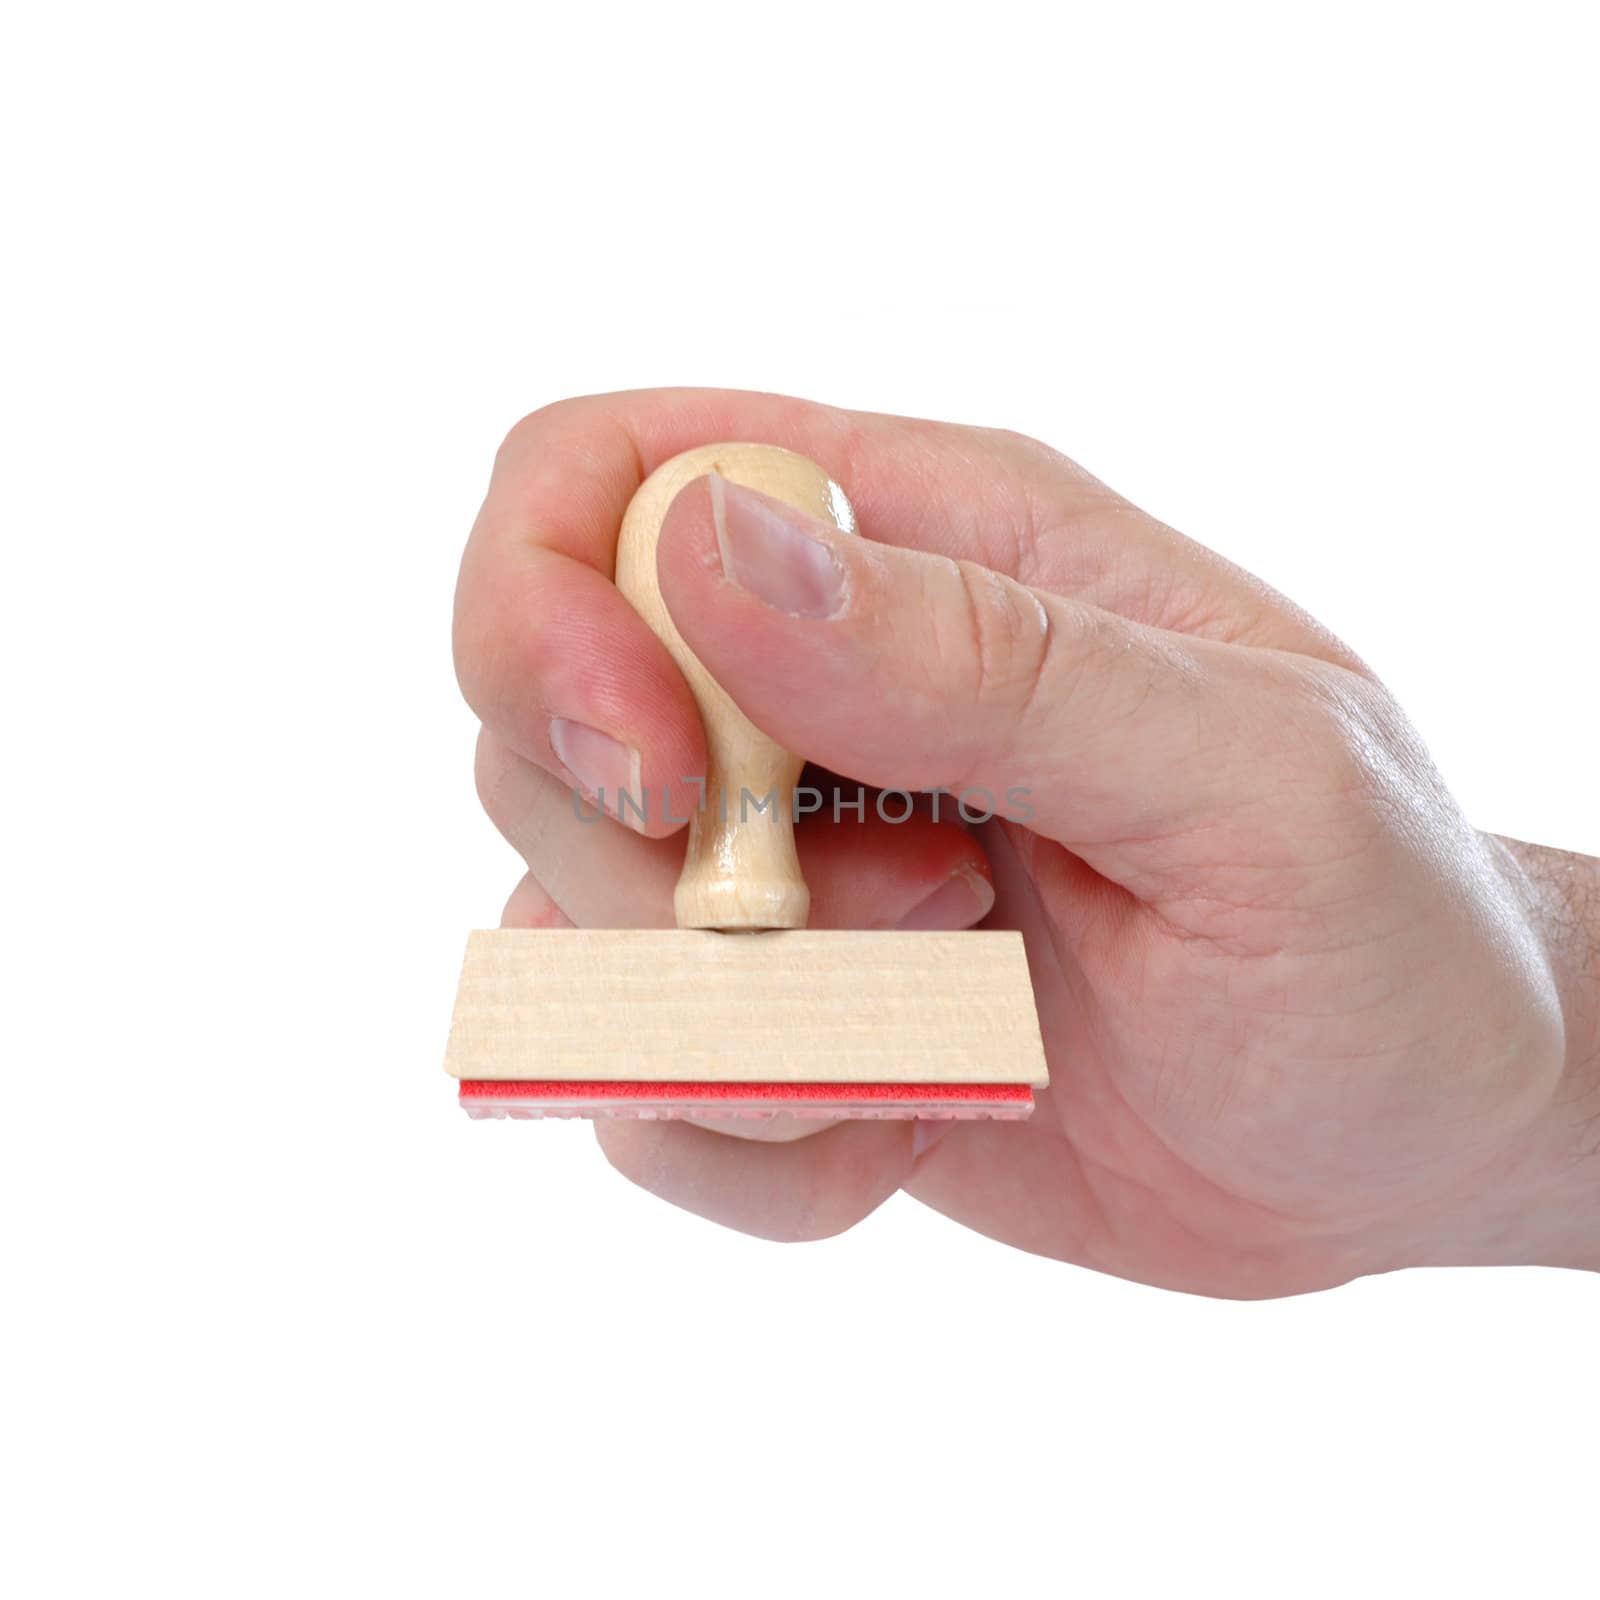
x,y
527,1098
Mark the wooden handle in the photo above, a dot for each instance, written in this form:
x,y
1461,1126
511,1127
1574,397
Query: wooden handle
x,y
740,872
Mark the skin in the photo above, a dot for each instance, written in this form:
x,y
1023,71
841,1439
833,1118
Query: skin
x,y
1303,1022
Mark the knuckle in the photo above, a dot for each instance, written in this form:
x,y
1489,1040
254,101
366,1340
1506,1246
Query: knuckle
x,y
526,430
1038,462
1009,633
1348,733
1022,445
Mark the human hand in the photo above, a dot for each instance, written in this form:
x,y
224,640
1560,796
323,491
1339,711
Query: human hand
x,y
1303,1022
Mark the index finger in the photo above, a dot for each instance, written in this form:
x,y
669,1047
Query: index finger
x,y
557,664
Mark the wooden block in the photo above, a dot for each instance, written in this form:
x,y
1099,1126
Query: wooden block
x,y
782,1007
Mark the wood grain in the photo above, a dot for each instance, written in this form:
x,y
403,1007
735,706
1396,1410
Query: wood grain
x,y
784,1007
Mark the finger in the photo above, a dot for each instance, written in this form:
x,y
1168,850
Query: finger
x,y
910,671
546,650
564,475
556,661
863,871
530,907
1021,1183
808,1189
990,495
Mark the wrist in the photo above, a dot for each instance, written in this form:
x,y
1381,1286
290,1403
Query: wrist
x,y
1549,1213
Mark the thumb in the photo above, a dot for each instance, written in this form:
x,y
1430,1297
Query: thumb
x,y
908,670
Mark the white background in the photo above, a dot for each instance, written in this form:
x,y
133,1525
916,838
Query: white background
x,y
1314,285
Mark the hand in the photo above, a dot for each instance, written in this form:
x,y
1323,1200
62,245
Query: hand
x,y
1302,1021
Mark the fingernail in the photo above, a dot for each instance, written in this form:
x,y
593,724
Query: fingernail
x,y
958,902
925,1134
605,768
769,550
